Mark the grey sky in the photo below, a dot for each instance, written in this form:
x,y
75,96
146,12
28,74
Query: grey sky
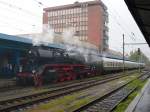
x,y
25,16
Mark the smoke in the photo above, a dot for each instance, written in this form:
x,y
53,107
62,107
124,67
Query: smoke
x,y
72,43
67,38
45,38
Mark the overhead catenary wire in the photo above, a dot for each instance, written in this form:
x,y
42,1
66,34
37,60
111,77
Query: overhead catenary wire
x,y
118,24
121,30
118,20
125,27
19,8
122,27
12,26
22,21
18,14
40,3
24,24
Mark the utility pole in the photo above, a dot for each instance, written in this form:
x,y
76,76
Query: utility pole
x,y
123,56
139,53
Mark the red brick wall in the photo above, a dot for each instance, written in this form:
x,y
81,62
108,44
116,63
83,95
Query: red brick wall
x,y
95,25
45,18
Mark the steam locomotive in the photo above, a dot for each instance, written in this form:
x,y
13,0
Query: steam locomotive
x,y
45,65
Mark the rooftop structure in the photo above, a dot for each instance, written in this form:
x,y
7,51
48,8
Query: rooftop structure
x,y
86,20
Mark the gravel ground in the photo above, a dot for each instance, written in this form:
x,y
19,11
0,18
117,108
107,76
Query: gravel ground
x,y
6,82
108,104
31,90
73,101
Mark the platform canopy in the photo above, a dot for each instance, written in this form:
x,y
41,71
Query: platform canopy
x,y
14,43
140,9
20,43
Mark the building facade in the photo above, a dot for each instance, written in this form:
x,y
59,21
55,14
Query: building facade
x,y
88,21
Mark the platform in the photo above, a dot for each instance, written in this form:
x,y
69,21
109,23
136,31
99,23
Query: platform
x,y
141,102
4,83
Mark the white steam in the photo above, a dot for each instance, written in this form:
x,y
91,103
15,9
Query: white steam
x,y
67,38
73,43
45,38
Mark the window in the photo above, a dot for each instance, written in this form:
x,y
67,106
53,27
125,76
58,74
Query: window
x,y
63,12
55,13
71,11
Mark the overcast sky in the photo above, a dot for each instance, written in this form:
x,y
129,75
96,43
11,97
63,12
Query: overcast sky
x,y
25,16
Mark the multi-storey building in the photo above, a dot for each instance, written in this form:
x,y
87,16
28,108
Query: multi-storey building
x,y
88,21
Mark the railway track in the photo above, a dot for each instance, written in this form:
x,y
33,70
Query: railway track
x,y
23,101
10,87
12,90
14,87
109,101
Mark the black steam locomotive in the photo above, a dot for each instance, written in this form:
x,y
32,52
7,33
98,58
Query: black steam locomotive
x,y
45,65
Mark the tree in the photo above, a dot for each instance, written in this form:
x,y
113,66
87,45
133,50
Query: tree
x,y
139,56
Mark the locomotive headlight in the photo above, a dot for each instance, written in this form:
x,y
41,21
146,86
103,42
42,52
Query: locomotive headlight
x,y
33,71
20,69
30,52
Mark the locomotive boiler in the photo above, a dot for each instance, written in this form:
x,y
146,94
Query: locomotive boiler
x,y
49,64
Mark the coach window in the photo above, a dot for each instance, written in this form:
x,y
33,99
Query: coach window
x,y
109,64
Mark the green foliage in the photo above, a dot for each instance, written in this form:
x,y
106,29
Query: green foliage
x,y
135,56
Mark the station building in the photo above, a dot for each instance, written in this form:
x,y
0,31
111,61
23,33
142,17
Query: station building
x,y
12,49
88,20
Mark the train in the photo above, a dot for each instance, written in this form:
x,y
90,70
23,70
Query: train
x,y
43,65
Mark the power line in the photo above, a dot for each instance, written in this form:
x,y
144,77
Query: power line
x,y
19,13
14,27
124,22
6,23
18,8
39,2
118,24
121,26
121,31
23,22
17,29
